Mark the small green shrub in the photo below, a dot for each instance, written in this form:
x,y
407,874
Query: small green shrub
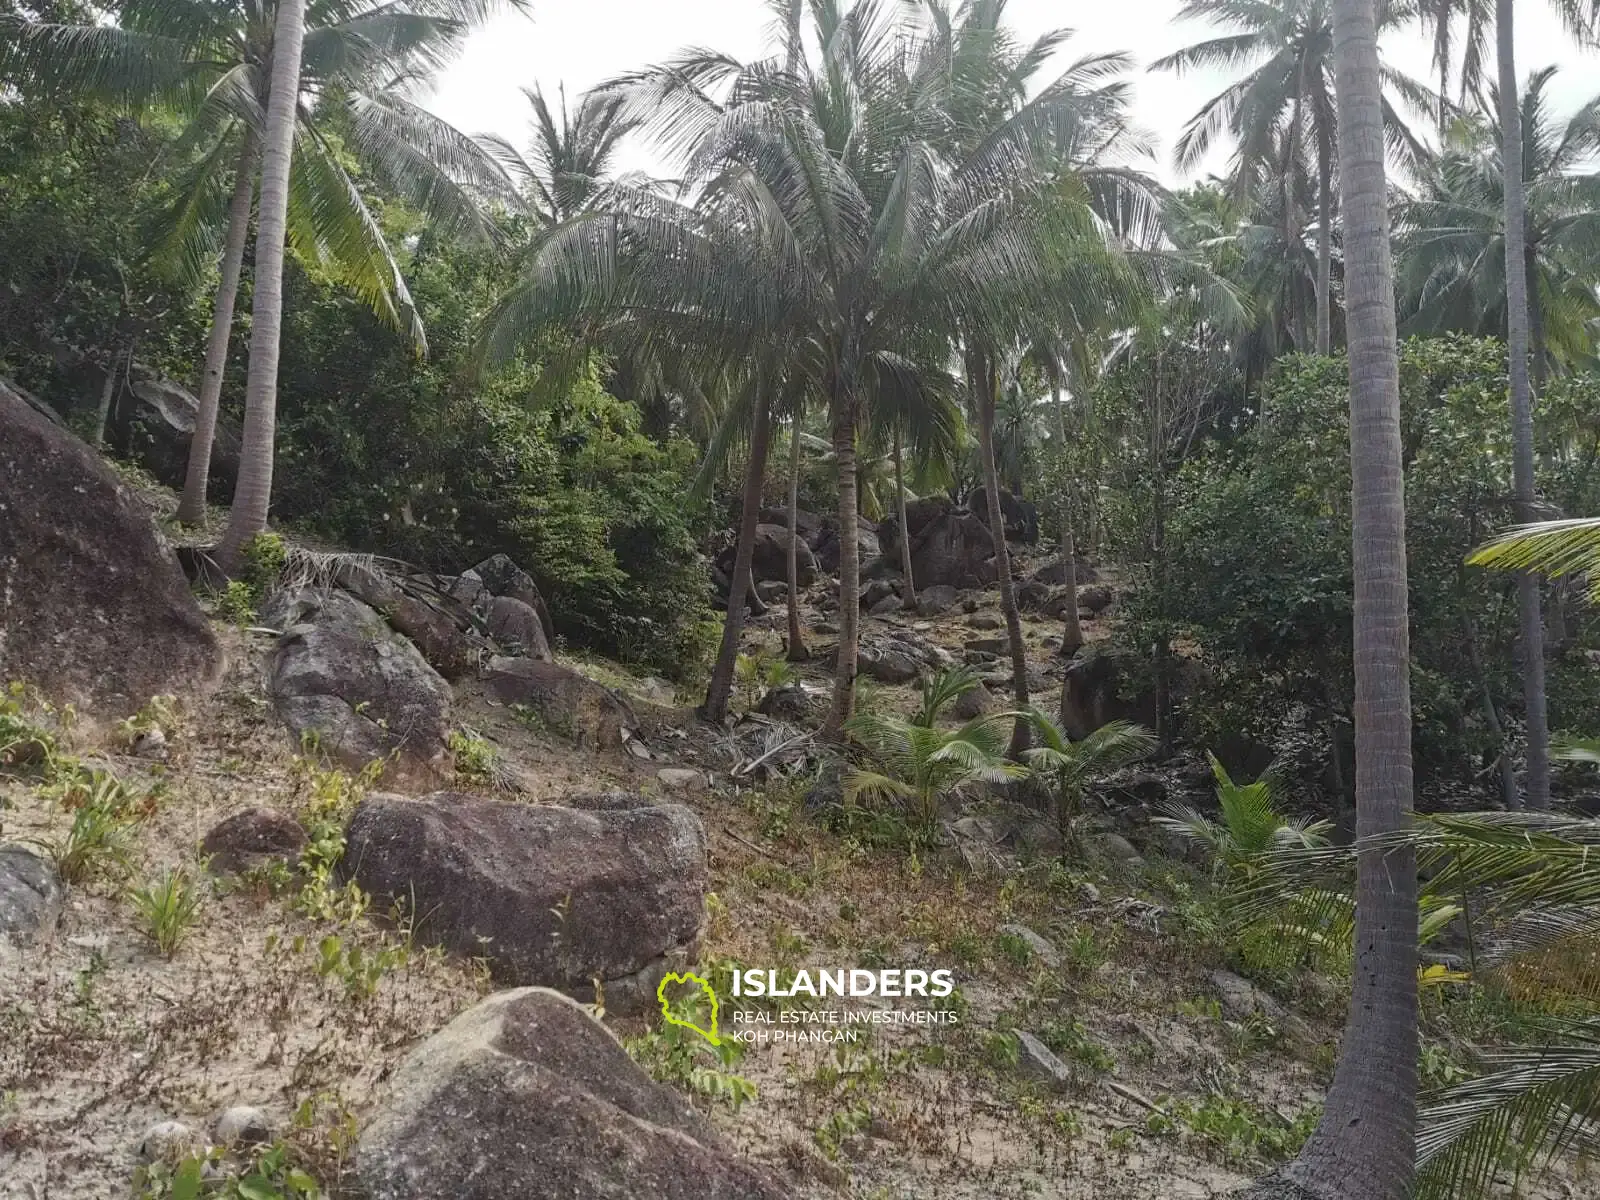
x,y
236,603
167,908
264,557
105,813
475,757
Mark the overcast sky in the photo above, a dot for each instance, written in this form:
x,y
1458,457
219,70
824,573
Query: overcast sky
x,y
579,43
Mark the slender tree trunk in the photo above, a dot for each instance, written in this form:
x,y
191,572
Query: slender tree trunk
x,y
1324,243
905,526
1072,630
980,377
844,451
253,495
108,392
1538,352
1363,1147
721,686
192,507
797,640
1536,781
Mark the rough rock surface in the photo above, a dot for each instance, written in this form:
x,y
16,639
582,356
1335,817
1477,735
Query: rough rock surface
x,y
550,896
502,577
31,894
340,674
516,627
527,1097
160,428
770,558
94,609
567,703
253,837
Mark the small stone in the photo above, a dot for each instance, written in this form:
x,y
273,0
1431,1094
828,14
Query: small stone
x,y
681,779
973,702
170,1142
984,621
1114,845
151,744
889,604
1088,893
242,1125
254,837
937,599
1040,1062
1039,946
31,895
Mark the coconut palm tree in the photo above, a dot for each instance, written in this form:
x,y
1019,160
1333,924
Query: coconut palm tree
x,y
569,160
1579,18
1362,1148
1451,251
1280,107
215,63
1069,767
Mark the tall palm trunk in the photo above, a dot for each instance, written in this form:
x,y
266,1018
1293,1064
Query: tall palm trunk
x,y
1324,243
108,390
253,495
981,378
797,639
721,686
844,452
196,482
1072,630
1536,782
905,526
1363,1147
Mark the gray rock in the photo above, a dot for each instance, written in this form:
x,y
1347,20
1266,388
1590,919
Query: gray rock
x,y
791,702
985,621
974,702
681,779
1040,1062
931,601
170,1142
342,676
526,1097
884,607
568,704
242,1125
1241,1000
1117,847
1040,947
252,838
502,577
876,591
31,895
150,744
516,627
1094,599
889,663
94,608
550,896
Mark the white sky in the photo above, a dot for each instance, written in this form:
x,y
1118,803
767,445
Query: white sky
x,y
582,42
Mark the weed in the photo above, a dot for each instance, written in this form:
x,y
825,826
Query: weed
x,y
264,558
1077,1043
1014,948
167,908
1083,953
23,741
475,758
1002,1049
360,971
236,603
840,1127
673,1054
1241,1133
104,814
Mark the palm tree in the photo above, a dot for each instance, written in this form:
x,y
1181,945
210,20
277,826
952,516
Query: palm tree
x,y
215,63
1362,1148
1069,767
569,161
1251,830
1452,252
913,763
1578,16
1284,102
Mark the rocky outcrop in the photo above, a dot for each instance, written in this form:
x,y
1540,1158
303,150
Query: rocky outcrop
x,y
770,557
442,637
566,703
516,628
497,576
160,415
525,1096
94,609
1021,517
950,546
552,896
344,679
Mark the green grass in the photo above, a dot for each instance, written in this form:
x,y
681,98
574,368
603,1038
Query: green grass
x,y
167,908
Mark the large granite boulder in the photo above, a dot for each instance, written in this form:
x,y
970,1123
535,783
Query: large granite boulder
x,y
498,575
950,546
94,608
516,628
552,896
770,557
442,638
159,416
342,677
525,1096
564,702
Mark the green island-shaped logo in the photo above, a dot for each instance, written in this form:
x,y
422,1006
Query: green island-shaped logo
x,y
692,1008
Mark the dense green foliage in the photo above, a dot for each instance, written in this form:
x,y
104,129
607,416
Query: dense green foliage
x,y
1256,569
